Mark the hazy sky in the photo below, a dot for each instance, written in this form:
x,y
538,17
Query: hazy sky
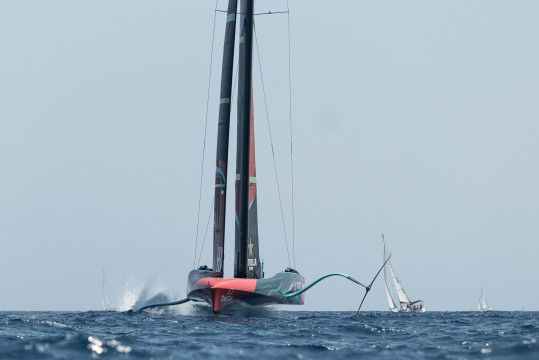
x,y
416,119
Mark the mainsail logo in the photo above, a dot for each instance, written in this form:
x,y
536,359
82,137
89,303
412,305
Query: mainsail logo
x,y
219,259
250,246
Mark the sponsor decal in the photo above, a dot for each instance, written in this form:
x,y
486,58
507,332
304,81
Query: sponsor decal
x,y
225,299
219,262
228,296
251,262
250,246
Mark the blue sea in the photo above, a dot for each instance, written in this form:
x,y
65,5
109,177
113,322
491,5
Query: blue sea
x,y
268,334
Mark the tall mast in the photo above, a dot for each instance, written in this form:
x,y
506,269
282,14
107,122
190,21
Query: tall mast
x,y
388,294
244,132
222,141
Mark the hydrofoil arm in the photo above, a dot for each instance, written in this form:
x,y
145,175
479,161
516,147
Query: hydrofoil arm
x,y
163,304
299,292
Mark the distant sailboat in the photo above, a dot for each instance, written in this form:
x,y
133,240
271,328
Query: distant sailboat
x,y
483,306
405,304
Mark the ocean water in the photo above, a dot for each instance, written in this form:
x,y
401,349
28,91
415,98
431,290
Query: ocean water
x,y
196,333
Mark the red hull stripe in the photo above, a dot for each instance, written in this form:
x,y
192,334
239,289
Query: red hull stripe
x,y
224,291
246,285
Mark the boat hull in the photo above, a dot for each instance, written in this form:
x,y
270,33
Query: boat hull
x,y
220,293
409,308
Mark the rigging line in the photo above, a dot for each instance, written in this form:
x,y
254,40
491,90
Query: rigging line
x,y
271,142
205,131
206,232
291,138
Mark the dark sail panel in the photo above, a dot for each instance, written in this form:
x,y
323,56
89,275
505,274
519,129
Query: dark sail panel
x,y
222,141
254,267
241,72
244,129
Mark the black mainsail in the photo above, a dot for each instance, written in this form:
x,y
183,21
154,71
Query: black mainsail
x,y
223,140
246,264
254,266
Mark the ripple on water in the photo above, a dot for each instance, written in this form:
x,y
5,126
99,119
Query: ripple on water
x,y
309,335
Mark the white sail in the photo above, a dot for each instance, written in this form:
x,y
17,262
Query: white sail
x,y
392,305
403,298
483,306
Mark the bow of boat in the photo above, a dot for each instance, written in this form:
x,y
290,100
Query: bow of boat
x,y
221,293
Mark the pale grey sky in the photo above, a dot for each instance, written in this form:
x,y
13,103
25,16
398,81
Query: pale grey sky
x,y
416,119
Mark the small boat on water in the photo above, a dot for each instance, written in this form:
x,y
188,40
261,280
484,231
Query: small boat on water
x,y
483,306
405,304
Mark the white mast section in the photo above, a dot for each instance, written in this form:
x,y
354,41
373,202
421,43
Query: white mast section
x,y
390,300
